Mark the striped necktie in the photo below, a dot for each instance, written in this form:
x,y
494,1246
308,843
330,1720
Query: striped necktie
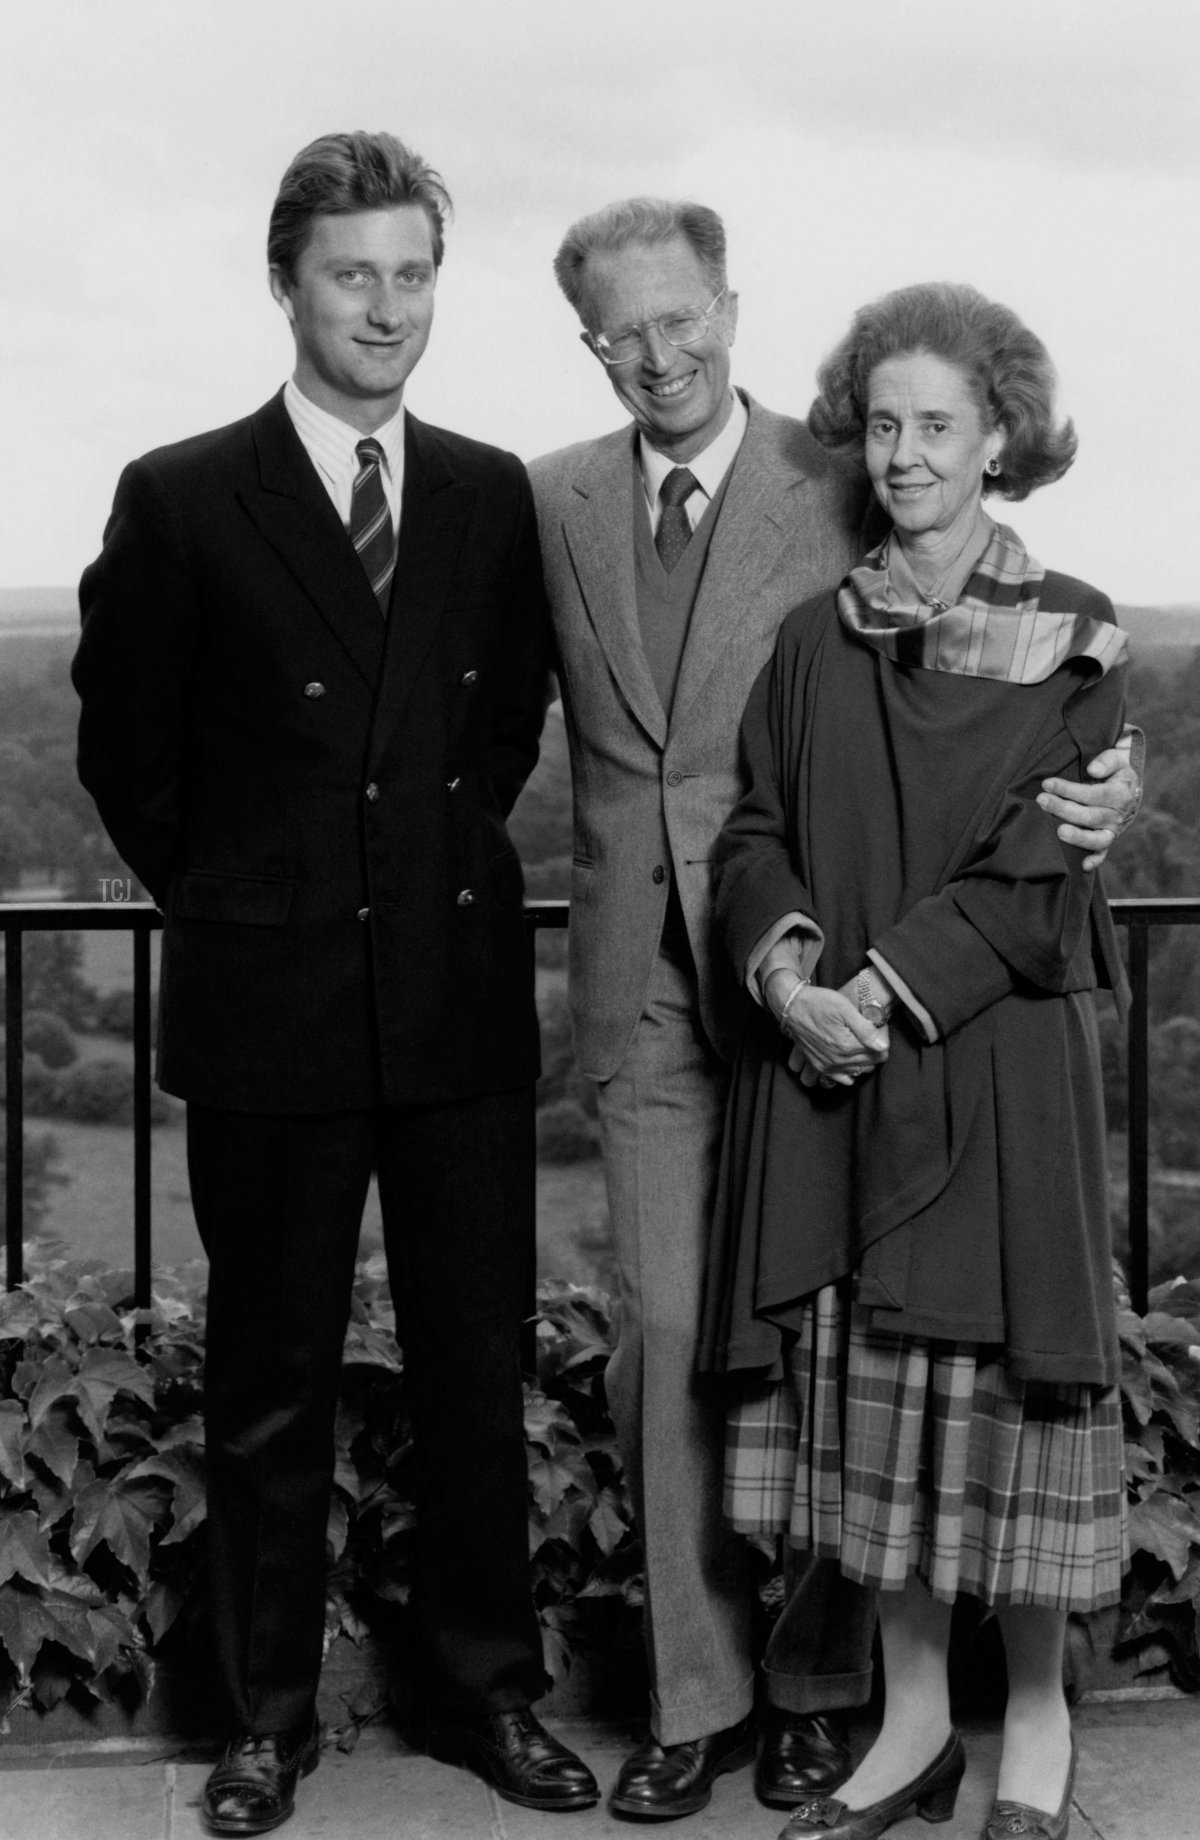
x,y
674,531
371,523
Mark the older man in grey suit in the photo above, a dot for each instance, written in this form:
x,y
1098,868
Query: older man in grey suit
x,y
672,552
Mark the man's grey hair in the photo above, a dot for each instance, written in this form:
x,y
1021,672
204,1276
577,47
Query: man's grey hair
x,y
640,220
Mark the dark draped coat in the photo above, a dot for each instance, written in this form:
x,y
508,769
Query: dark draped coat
x,y
963,1182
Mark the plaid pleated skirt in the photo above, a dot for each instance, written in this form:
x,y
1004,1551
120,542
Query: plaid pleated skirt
x,y
895,1454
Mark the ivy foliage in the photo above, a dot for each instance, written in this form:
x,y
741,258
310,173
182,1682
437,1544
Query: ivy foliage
x,y
102,1480
102,1476
1160,1388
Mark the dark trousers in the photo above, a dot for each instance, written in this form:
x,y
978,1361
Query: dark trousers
x,y
279,1202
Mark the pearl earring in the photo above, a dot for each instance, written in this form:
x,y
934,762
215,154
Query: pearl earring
x,y
992,467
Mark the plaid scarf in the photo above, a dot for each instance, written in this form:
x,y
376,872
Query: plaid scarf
x,y
997,629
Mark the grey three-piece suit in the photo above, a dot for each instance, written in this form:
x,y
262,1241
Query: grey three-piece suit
x,y
656,1014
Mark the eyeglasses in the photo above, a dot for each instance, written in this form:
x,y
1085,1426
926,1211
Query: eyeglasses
x,y
683,328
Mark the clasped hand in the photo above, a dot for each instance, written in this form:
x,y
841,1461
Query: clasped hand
x,y
834,1043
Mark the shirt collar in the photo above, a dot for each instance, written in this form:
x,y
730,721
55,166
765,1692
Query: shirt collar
x,y
332,442
708,467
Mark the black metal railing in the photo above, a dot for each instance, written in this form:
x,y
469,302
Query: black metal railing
x,y
1137,917
141,919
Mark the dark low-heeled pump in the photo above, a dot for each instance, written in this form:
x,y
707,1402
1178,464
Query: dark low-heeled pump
x,y
1011,1818
932,1794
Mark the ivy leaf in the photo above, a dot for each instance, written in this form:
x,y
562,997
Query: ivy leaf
x,y
549,1482
183,1469
90,1321
1129,1328
108,1515
113,1636
1163,1330
162,1606
543,1420
1144,1455
1186,1591
1178,1298
25,1376
556,1655
27,1619
51,1682
349,1623
399,1517
23,1628
1185,1416
566,1523
1137,1390
56,1381
1166,1527
103,1373
20,1316
54,1443
188,1433
24,1550
608,1523
337,1528
12,1443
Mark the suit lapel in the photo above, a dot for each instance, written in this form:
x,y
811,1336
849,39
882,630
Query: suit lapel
x,y
598,528
294,513
435,515
761,506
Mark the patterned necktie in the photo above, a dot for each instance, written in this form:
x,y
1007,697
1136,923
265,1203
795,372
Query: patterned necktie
x,y
371,523
674,531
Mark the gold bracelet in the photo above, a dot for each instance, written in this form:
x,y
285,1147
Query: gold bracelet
x,y
801,983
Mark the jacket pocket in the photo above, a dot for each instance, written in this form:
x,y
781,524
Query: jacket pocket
x,y
242,900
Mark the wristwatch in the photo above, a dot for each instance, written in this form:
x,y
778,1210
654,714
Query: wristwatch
x,y
868,1008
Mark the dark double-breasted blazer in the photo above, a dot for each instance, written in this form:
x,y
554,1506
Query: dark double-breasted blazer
x,y
315,796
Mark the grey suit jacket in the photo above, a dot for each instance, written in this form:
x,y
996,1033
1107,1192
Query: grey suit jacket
x,y
650,797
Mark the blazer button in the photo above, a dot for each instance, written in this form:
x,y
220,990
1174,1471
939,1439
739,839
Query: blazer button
x,y
362,913
468,677
467,898
660,874
452,785
372,792
674,779
314,689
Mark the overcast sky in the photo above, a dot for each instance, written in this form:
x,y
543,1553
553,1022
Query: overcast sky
x,y
1046,150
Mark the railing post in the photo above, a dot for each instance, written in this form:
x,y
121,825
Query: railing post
x,y
142,1251
14,1101
1139,1114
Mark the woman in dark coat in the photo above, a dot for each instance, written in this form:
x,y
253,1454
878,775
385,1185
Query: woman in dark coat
x,y
911,1280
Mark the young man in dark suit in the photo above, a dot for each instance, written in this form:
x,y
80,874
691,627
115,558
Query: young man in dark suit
x,y
313,670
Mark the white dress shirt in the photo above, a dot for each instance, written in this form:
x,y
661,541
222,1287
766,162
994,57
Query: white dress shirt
x,y
330,445
708,467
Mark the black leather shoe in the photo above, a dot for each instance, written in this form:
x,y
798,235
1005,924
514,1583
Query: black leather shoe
x,y
516,1754
802,1754
1009,1818
662,1781
933,1794
253,1788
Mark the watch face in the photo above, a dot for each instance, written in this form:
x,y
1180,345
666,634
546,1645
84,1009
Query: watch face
x,y
873,1013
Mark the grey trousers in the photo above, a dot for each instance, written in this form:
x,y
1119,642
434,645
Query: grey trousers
x,y
661,1118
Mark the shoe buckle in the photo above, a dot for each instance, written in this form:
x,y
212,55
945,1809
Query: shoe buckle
x,y
817,1811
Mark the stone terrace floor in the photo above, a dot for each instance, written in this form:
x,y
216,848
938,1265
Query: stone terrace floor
x,y
1139,1779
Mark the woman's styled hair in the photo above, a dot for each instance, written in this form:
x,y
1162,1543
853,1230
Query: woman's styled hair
x,y
640,220
344,173
1006,368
